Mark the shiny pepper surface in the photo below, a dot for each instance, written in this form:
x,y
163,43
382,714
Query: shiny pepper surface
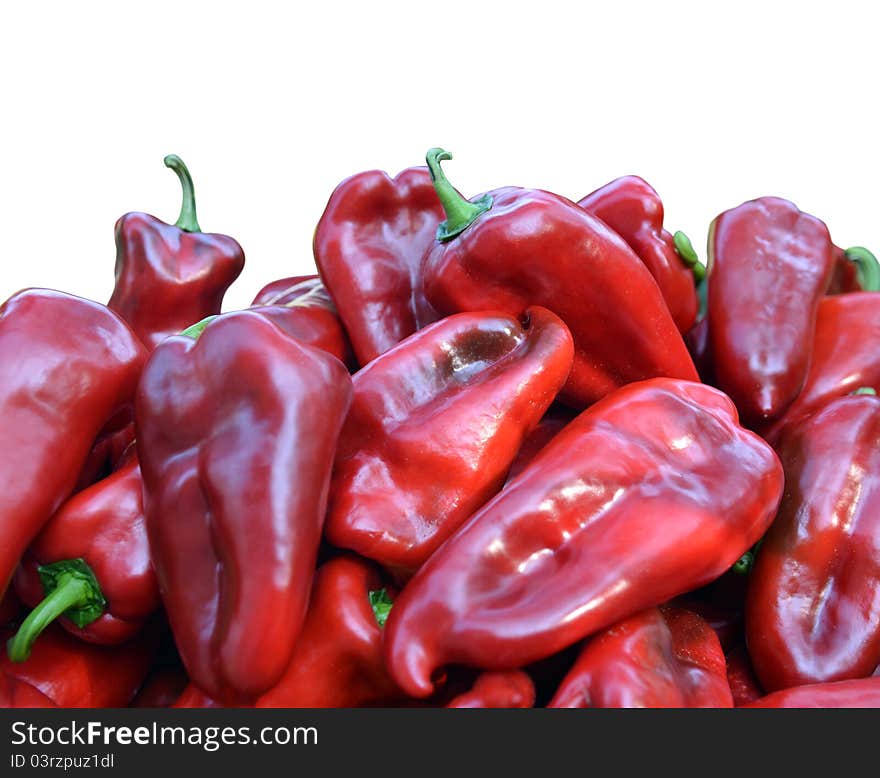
x,y
660,658
861,693
769,266
813,608
368,247
434,426
69,367
236,435
513,248
170,276
650,493
631,207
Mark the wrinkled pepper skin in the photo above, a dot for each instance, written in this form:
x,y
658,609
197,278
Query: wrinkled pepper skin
x,y
105,526
236,432
68,673
70,366
769,266
532,247
861,693
659,658
844,356
434,426
337,662
631,207
368,247
508,689
302,307
652,492
813,607
170,276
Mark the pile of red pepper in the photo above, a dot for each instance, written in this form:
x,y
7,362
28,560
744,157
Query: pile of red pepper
x,y
506,451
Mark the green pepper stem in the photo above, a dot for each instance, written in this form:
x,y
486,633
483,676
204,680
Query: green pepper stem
x,y
72,591
460,213
685,250
867,267
194,331
187,220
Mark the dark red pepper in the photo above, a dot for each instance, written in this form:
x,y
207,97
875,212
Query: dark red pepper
x,y
368,247
236,435
302,307
769,265
91,564
162,688
660,658
513,248
813,608
170,276
434,426
650,493
506,689
70,367
631,207
744,685
855,270
861,693
550,425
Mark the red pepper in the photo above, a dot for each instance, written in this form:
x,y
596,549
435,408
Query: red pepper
x,y
550,425
10,607
302,307
91,564
169,276
844,355
861,693
660,658
813,608
631,207
70,370
507,689
855,270
236,435
69,673
744,686
106,456
337,662
651,493
434,426
162,688
368,247
769,265
513,248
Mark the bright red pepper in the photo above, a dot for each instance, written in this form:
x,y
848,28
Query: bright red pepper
x,y
302,307
813,608
660,658
769,265
434,426
507,689
513,248
651,493
844,355
631,207
368,247
70,367
91,564
170,276
236,435
69,673
744,686
861,693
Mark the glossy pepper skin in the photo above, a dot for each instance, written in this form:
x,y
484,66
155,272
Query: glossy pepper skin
x,y
368,247
513,248
69,367
434,426
68,673
861,693
769,266
631,207
103,526
813,607
507,689
844,357
170,276
236,435
652,492
301,306
660,658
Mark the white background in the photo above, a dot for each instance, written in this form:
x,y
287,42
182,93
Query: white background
x,y
271,105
